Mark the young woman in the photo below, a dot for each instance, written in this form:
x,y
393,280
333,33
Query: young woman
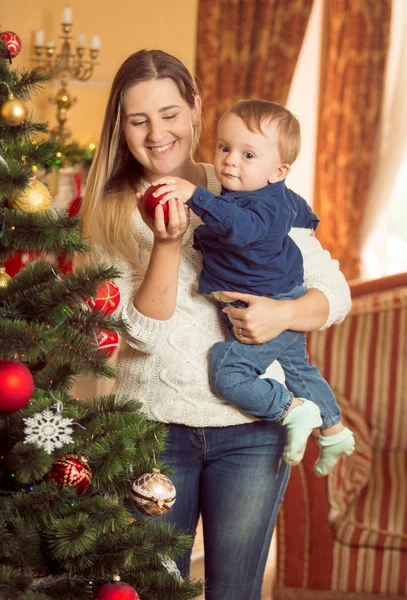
x,y
228,465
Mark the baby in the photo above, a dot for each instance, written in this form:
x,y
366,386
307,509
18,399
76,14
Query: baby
x,y
246,248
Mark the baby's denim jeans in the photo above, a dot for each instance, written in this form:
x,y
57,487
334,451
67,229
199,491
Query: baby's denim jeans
x,y
236,369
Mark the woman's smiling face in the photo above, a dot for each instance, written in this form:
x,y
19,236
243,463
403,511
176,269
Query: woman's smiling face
x,y
158,126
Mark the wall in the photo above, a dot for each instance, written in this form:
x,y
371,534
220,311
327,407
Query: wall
x,y
124,27
129,25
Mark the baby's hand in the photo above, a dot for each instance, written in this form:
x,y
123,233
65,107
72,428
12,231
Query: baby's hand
x,y
174,229
174,187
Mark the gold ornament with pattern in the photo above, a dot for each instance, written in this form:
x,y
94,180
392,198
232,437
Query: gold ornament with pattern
x,y
153,494
34,198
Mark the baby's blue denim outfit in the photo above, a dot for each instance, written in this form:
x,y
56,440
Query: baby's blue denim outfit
x,y
236,371
246,248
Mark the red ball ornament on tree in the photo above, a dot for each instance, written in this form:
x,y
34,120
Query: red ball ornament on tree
x,y
107,298
20,259
117,591
107,341
71,470
16,386
12,42
150,202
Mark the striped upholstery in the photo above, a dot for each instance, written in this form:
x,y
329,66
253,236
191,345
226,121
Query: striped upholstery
x,y
358,515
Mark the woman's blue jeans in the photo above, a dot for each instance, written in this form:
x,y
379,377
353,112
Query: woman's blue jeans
x,y
235,478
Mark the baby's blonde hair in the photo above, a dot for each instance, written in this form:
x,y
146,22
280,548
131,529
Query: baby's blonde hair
x,y
254,113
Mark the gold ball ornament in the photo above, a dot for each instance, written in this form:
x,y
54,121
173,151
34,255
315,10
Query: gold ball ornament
x,y
13,111
153,494
4,277
34,198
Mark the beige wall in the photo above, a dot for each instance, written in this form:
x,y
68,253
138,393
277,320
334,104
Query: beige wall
x,y
124,26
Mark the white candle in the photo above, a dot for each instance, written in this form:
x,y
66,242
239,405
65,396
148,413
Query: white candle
x,y
67,16
81,40
39,38
50,44
95,43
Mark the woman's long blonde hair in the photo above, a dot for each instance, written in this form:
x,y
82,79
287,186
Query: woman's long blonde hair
x,y
110,198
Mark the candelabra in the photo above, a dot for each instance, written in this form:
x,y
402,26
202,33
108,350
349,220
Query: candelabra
x,y
66,65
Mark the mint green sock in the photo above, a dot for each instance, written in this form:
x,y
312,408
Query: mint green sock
x,y
300,422
332,447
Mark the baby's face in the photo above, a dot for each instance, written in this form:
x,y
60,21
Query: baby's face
x,y
245,160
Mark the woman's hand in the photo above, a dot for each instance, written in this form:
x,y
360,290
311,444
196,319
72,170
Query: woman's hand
x,y
263,319
178,221
156,297
174,187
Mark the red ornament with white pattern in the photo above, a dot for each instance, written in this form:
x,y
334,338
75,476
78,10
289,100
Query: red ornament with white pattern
x,y
107,341
12,42
16,386
106,299
71,470
116,591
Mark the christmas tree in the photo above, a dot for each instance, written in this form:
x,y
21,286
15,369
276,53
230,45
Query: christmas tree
x,y
67,466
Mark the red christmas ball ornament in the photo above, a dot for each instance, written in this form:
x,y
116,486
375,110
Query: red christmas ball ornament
x,y
116,591
107,341
107,298
71,470
12,42
16,385
150,202
20,259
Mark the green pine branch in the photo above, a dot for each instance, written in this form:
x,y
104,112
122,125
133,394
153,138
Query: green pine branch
x,y
40,154
89,321
28,462
27,129
13,178
161,586
57,313
37,290
30,82
13,582
22,82
54,377
60,375
49,232
28,340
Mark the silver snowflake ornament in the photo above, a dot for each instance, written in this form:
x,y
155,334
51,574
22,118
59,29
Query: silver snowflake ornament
x,y
48,430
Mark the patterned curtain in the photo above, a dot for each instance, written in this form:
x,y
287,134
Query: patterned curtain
x,y
356,42
246,49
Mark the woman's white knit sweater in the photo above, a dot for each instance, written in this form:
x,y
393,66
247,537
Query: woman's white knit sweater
x,y
165,364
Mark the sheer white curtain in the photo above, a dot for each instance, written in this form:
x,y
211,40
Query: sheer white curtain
x,y
391,155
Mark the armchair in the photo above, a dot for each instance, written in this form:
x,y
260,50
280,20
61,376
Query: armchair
x,y
345,536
